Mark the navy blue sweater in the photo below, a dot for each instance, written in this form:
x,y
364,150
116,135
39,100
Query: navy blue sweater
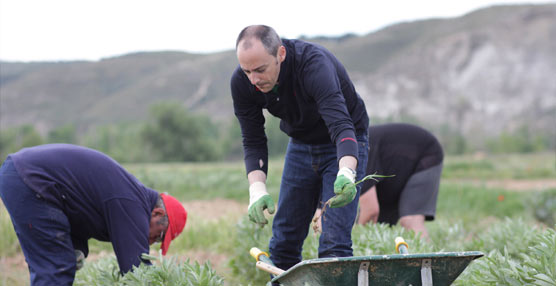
x,y
315,100
100,198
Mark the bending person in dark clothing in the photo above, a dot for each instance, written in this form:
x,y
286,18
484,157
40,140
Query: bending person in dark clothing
x,y
415,157
60,195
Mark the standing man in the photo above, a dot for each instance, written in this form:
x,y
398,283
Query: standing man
x,y
415,157
305,86
60,195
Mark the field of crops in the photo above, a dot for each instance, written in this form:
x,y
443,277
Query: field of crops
x,y
502,205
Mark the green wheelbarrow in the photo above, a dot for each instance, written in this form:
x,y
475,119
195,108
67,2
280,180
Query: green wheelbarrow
x,y
426,269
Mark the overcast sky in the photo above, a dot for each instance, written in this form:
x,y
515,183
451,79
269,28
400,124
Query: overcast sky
x,y
52,30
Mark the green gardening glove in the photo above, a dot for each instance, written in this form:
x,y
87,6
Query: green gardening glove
x,y
259,200
344,188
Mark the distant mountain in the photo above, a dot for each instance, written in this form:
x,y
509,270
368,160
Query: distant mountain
x,y
489,71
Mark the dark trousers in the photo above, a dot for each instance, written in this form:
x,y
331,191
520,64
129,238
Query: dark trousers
x,y
307,181
42,229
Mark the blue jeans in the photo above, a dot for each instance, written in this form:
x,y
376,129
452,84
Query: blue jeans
x,y
307,182
42,229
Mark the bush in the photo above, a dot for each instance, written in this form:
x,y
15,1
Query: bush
x,y
174,134
522,140
515,235
167,272
535,266
15,138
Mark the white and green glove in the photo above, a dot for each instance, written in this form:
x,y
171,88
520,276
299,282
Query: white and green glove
x,y
344,188
259,200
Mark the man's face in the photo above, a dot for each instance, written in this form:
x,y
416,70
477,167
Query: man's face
x,y
261,68
156,228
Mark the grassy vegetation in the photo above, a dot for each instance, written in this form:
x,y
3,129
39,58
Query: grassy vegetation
x,y
501,166
471,205
192,181
501,223
9,244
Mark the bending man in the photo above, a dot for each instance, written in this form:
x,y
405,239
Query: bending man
x,y
415,157
60,195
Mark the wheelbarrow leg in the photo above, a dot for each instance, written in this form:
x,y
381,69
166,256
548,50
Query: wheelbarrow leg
x,y
363,274
426,273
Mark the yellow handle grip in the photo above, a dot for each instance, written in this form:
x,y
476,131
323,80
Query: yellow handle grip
x,y
401,245
256,253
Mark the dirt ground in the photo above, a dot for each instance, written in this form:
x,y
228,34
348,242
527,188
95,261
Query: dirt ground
x,y
13,269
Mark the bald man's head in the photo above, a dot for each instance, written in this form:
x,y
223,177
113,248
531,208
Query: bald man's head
x,y
265,34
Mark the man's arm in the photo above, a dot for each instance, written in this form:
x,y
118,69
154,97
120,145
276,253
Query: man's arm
x,y
128,228
251,121
256,176
322,81
349,162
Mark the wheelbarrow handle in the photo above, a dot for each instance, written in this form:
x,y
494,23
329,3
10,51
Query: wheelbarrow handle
x,y
269,268
401,245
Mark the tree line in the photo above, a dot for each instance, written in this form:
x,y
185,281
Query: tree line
x,y
171,133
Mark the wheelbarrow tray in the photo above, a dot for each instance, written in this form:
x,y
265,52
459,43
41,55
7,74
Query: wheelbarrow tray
x,y
440,268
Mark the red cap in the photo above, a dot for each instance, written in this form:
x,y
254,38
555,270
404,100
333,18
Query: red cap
x,y
177,216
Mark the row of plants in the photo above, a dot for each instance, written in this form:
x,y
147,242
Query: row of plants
x,y
165,272
513,229
516,253
518,250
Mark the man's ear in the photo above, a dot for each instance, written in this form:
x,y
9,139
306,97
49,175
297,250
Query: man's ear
x,y
281,53
158,212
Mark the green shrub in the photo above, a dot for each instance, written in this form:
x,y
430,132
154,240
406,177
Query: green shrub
x,y
378,239
522,140
167,272
535,266
515,235
172,133
448,235
104,271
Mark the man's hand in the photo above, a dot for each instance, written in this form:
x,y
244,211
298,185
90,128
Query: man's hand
x,y
79,258
259,200
344,188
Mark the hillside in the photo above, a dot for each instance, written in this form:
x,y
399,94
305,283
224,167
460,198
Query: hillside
x,y
489,71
